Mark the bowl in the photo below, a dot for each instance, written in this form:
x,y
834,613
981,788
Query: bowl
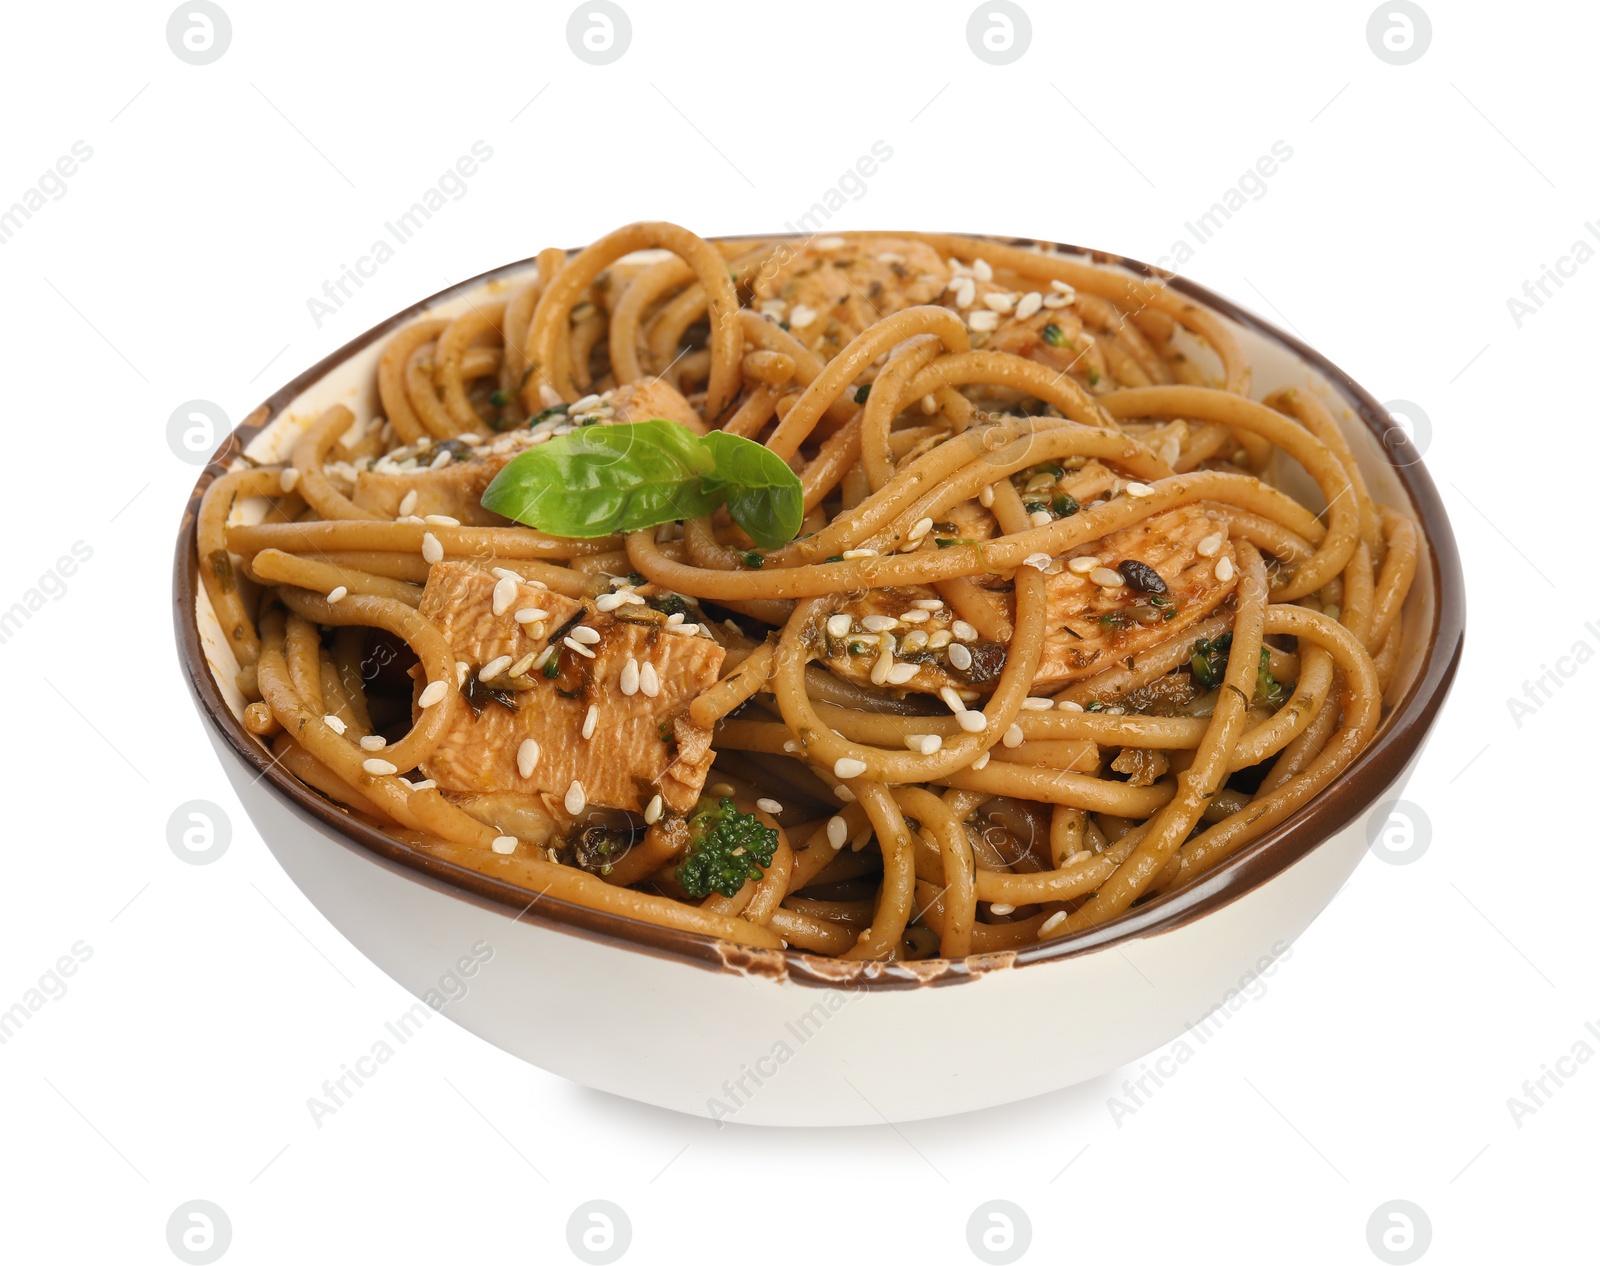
x,y
767,1037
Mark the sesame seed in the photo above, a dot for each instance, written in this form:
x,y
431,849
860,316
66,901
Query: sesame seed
x,y
588,402
769,806
589,637
432,693
881,668
1106,578
930,404
1001,908
522,665
288,477
579,647
441,520
684,630
1001,301
494,667
1013,735
1209,546
900,674
336,724
1067,705
829,243
609,602
575,801
504,844
1136,489
920,529
986,495
591,718
408,503
981,270
529,615
859,553
972,721
1061,287
982,321
1036,704
959,656
844,793
649,682
914,641
1041,561
1224,569
337,594
939,639
1041,518
1083,565
1052,923
628,681
849,767
461,672
1055,301
925,744
790,746
839,625
378,767
652,811
505,573
964,631
442,459
838,832
1029,304
928,604
675,618
1084,855
801,316
425,784
981,763
952,700
965,292
527,756
879,623
914,616
505,593
432,551
544,658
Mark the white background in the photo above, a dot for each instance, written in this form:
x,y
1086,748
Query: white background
x,y
1378,1063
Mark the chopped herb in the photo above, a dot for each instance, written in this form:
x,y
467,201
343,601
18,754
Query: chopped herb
x,y
1033,507
636,578
552,666
1065,505
500,398
1094,377
858,648
1114,620
1209,663
834,558
669,604
1054,336
480,694
752,559
862,392
1268,689
554,411
945,542
1094,706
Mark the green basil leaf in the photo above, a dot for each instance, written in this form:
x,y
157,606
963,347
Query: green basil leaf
x,y
764,496
603,479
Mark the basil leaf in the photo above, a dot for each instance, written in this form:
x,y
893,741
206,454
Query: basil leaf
x,y
764,496
603,479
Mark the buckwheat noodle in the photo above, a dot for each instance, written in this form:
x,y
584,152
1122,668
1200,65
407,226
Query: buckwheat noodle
x,y
1055,639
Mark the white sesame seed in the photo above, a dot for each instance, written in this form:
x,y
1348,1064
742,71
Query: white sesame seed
x,y
881,668
986,495
684,630
914,616
609,601
1083,855
829,243
505,573
1029,304
1136,489
965,292
790,746
1000,300
914,641
769,806
1067,705
1001,908
1224,569
1106,578
801,316
925,744
579,647
1013,735
1052,923
930,404
849,767
441,520
652,811
879,623
838,832
1039,562
288,477
960,657
1083,565
1209,546
920,529
839,625
334,723
928,604
939,639
589,637
408,503
859,553
522,665
591,718
432,693
505,593
1036,704
425,784
544,658
841,792
964,631
1061,287
462,670
373,742
972,721
337,594
982,320
981,762
527,756
575,800
649,682
529,615
432,551
494,667
900,674
628,680
442,458
378,767
952,700
1041,518
981,270
675,618
508,844
1055,301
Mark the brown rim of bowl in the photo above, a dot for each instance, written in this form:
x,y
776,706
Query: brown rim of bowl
x,y
1397,743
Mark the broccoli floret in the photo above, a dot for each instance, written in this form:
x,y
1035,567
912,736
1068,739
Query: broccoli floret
x,y
726,848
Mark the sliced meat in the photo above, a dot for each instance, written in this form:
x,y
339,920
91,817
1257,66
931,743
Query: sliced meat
x,y
639,745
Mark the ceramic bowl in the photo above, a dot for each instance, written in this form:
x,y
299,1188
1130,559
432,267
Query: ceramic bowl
x,y
780,1038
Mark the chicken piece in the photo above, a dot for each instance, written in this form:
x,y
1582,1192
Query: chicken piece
x,y
1088,627
640,744
455,486
833,288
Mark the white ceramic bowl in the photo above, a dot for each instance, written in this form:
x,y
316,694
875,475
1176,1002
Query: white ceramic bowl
x,y
770,1038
